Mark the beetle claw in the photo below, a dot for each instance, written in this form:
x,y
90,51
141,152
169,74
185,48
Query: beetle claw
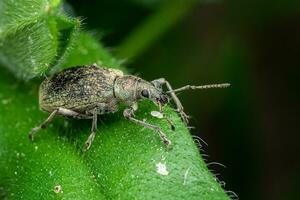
x,y
184,117
30,136
86,147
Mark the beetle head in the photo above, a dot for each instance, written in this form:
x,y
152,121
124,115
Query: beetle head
x,y
131,89
150,91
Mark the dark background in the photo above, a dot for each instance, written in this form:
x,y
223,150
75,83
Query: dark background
x,y
252,127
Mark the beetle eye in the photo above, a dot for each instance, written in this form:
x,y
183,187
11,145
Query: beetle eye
x,y
145,93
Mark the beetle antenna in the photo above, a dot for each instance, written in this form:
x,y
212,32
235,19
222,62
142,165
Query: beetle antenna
x,y
201,87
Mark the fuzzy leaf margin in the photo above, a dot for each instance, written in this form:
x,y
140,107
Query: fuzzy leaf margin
x,y
35,36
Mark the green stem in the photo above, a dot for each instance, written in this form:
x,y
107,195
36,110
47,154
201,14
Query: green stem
x,y
154,27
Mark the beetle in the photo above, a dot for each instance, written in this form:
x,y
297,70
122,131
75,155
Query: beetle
x,y
84,92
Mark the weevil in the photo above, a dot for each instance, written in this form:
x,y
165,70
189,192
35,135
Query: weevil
x,y
84,92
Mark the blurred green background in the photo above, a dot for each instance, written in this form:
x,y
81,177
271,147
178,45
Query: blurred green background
x,y
251,128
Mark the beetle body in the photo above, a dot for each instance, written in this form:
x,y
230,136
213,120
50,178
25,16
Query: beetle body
x,y
88,91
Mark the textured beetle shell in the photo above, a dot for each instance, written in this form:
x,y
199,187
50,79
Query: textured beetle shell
x,y
80,89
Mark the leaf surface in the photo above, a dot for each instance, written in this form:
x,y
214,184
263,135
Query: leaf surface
x,y
126,161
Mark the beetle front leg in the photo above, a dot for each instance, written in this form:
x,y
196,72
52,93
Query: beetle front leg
x,y
91,137
129,114
179,108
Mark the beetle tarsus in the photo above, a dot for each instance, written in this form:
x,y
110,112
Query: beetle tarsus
x,y
172,126
185,118
163,137
89,141
30,136
32,132
91,137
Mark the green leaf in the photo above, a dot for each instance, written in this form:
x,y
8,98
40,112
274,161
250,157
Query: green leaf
x,y
34,36
122,163
126,161
88,50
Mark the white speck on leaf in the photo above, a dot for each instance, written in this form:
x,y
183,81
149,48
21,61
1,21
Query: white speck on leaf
x,y
157,114
161,168
58,189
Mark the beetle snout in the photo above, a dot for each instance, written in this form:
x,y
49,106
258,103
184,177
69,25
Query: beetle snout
x,y
164,99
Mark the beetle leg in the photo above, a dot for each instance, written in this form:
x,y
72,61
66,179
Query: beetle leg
x,y
60,111
70,113
91,137
179,107
129,114
43,125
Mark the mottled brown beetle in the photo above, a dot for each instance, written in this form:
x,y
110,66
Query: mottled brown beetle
x,y
87,91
